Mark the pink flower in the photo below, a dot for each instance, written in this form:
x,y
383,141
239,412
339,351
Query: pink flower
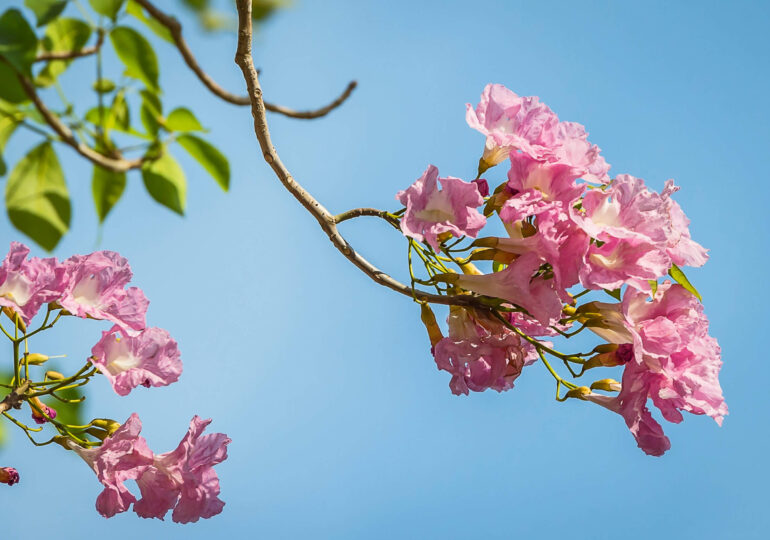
x,y
682,249
519,285
151,358
430,212
618,262
511,122
553,181
122,456
9,475
96,290
480,353
184,479
47,411
25,285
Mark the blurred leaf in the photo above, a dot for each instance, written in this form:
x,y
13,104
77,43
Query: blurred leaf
x,y
209,157
10,88
18,43
680,278
103,86
262,9
108,8
197,5
165,182
121,118
653,287
182,119
46,10
61,35
614,293
151,113
137,55
498,266
36,197
67,413
8,124
135,10
107,187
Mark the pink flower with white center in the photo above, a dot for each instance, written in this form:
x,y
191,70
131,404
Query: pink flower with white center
x,y
519,285
682,249
184,479
554,181
96,290
9,476
25,285
122,456
511,122
151,358
480,353
430,212
618,262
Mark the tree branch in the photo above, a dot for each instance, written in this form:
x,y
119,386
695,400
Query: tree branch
x,y
326,220
69,55
14,399
117,164
175,29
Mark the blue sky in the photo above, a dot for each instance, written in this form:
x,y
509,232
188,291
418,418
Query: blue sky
x,y
342,427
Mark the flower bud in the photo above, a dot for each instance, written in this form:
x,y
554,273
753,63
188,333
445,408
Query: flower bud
x,y
15,318
9,475
111,426
100,434
38,408
54,375
429,320
580,393
610,355
483,186
36,359
608,385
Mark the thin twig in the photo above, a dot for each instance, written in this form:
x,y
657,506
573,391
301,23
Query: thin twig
x,y
175,29
71,55
326,220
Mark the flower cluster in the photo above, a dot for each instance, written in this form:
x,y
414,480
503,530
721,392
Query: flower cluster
x,y
128,355
571,230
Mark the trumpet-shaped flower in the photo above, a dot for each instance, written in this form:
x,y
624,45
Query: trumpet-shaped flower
x,y
184,479
96,290
25,285
431,212
150,358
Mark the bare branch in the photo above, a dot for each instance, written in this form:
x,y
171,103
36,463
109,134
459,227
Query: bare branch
x,y
176,34
359,212
117,163
14,399
70,55
326,220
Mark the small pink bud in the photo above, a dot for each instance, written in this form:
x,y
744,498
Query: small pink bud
x,y
9,475
483,186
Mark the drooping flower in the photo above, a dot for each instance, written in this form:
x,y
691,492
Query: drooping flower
x,y
151,358
39,418
9,476
96,289
431,212
184,479
511,122
480,353
683,250
122,456
25,285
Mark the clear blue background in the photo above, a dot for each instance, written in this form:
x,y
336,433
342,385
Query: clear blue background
x,y
342,427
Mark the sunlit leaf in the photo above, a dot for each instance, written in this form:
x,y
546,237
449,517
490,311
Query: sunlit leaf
x,y
8,123
36,197
18,43
103,86
182,119
137,55
209,157
62,35
107,187
135,10
151,112
46,10
108,8
166,183
678,275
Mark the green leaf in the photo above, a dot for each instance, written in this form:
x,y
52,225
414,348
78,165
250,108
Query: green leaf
x,y
108,8
46,10
135,10
209,157
680,278
18,43
36,197
103,86
165,182
61,35
137,55
8,123
182,119
615,294
498,266
10,88
151,113
653,287
107,187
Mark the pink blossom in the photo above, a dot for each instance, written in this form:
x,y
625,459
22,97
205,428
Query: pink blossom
x,y
122,456
618,262
682,249
430,212
480,353
184,479
554,181
511,122
519,285
96,290
9,476
151,358
25,285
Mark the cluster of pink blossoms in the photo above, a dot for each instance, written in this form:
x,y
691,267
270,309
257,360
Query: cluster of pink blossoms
x,y
565,238
129,355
